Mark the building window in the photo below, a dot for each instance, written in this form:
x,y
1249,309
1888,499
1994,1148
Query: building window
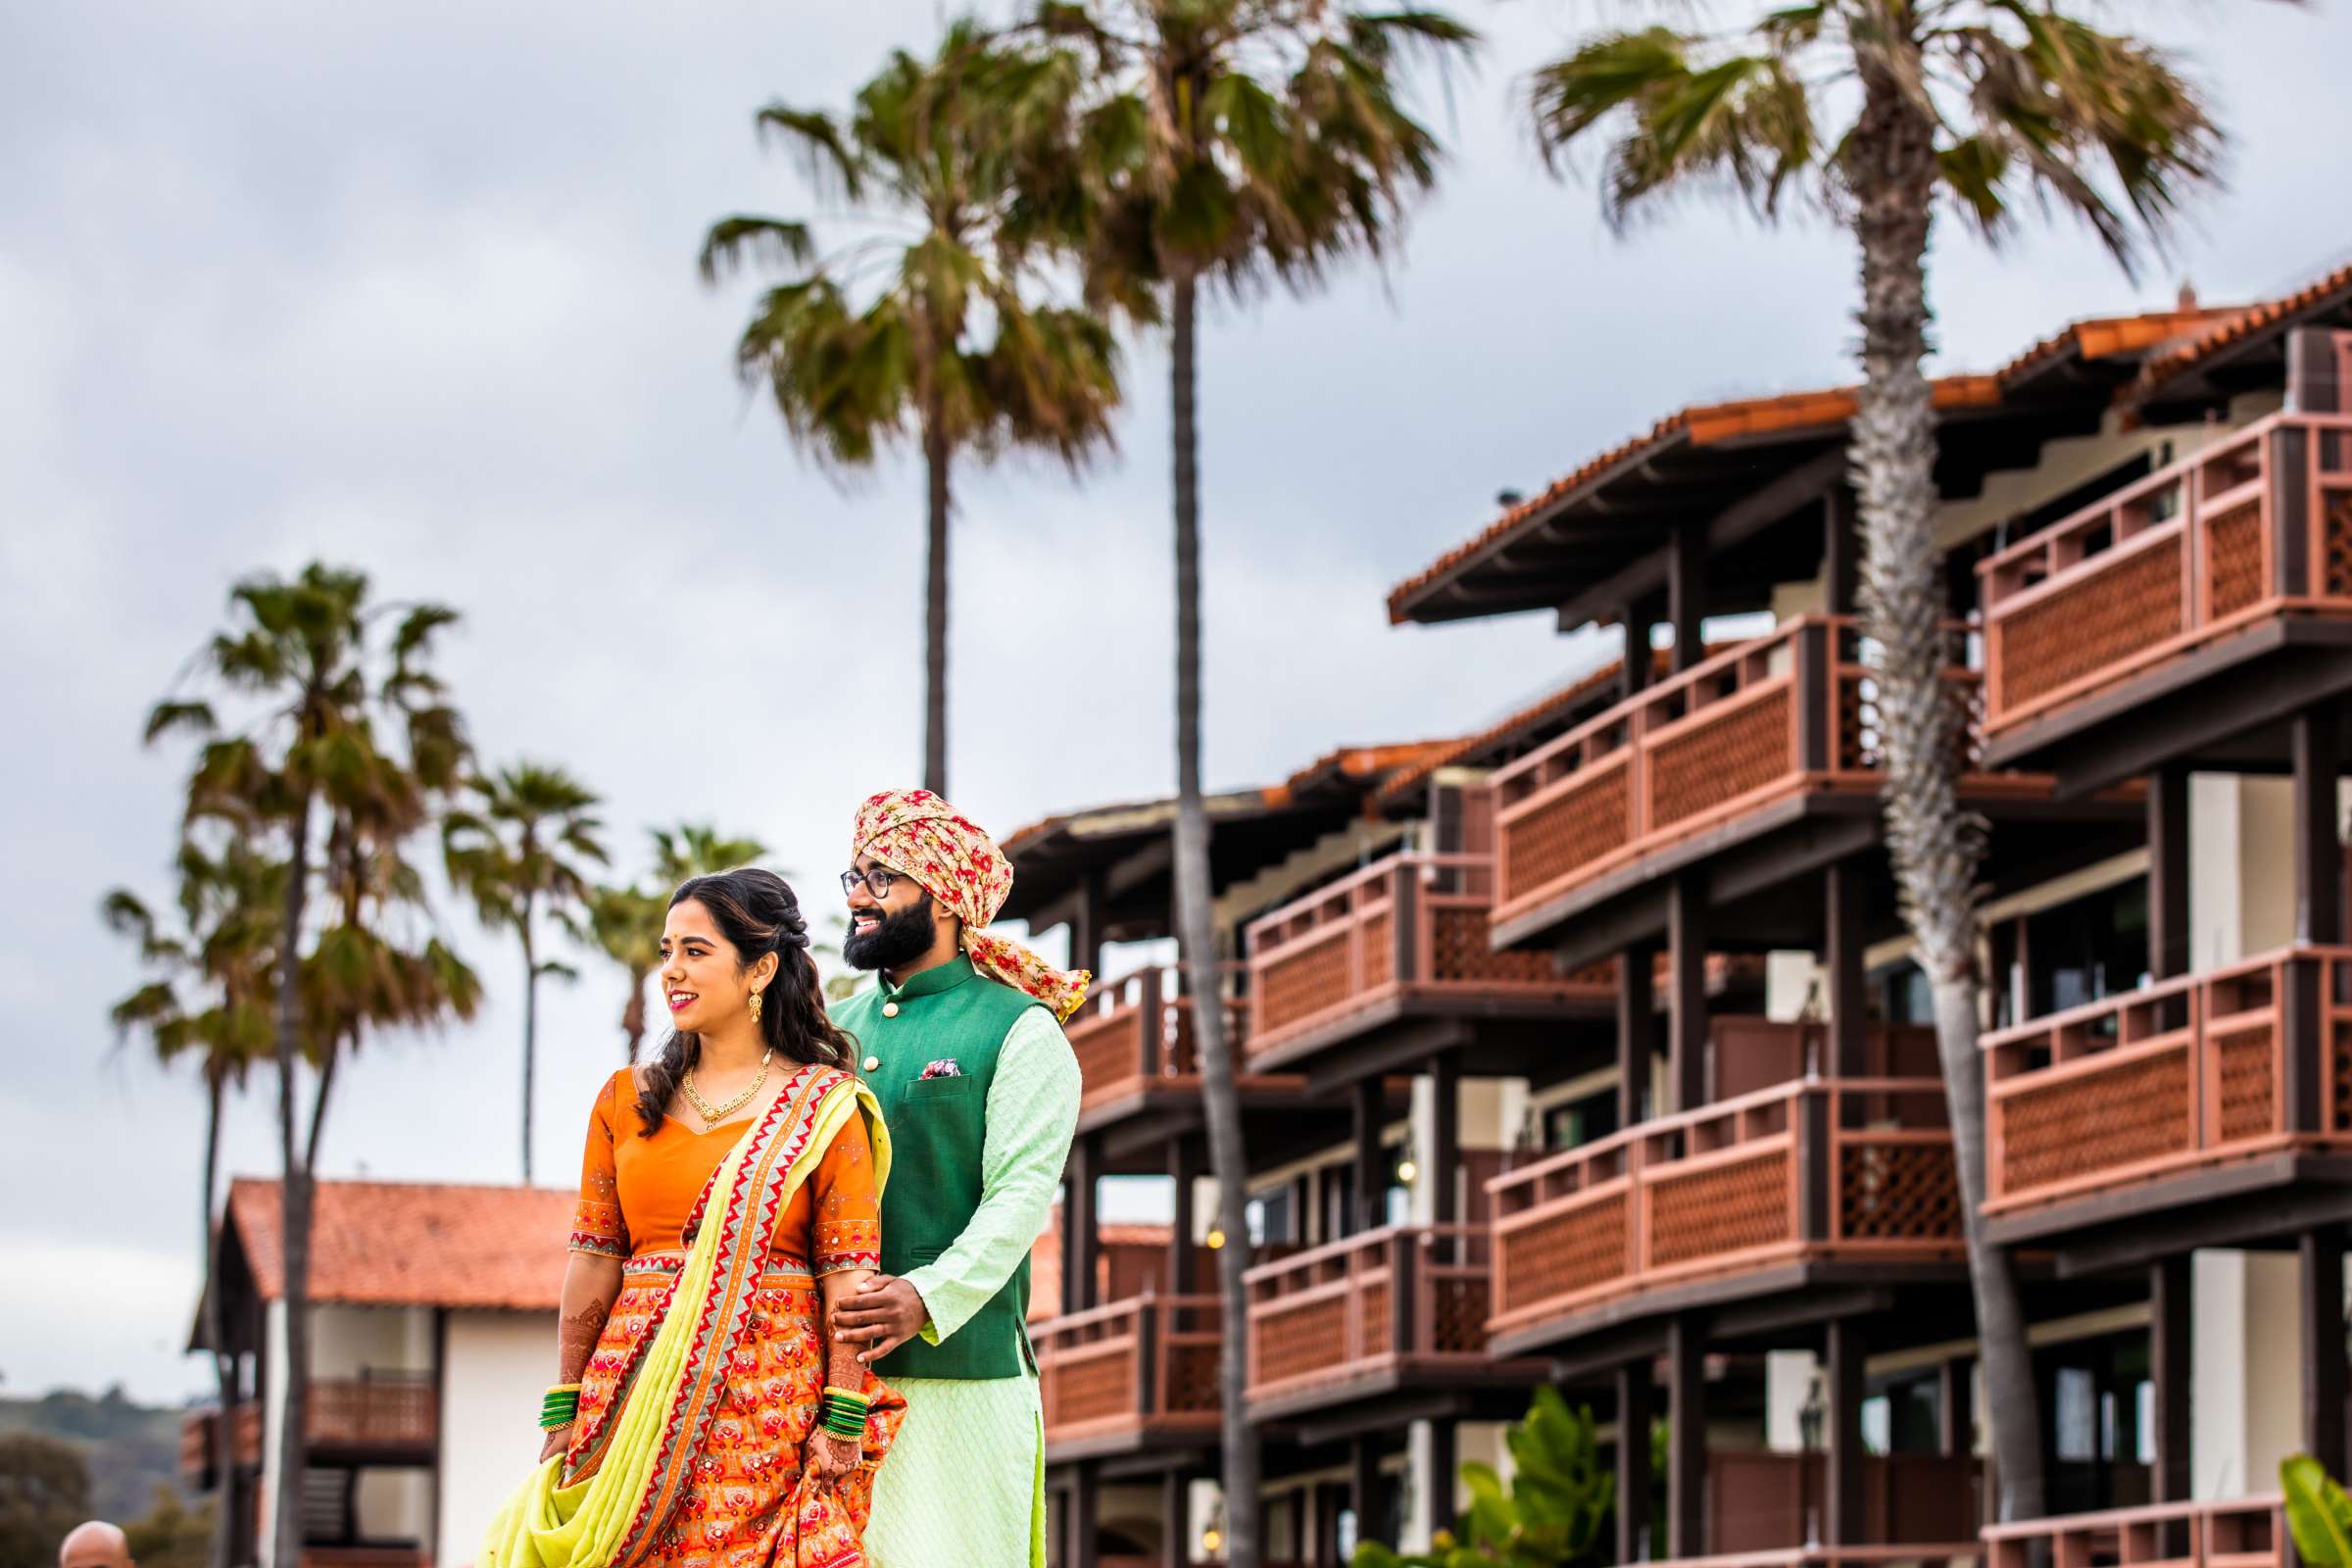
x,y
1580,1121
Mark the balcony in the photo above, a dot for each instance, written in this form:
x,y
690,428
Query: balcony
x,y
1403,938
196,1443
1128,1375
1759,1504
1938,1555
1743,1198
2249,1533
2207,1086
1754,738
1135,1045
1402,1306
2238,552
383,1417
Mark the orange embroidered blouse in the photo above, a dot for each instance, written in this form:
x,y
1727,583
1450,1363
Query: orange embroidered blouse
x,y
637,1193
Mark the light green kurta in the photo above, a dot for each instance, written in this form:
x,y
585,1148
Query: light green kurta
x,y
964,1483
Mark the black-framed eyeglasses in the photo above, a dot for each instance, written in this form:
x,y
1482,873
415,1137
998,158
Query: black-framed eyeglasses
x,y
877,881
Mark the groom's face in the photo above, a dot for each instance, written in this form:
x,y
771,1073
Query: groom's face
x,y
892,930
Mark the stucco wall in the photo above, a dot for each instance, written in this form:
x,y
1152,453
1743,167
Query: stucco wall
x,y
499,1364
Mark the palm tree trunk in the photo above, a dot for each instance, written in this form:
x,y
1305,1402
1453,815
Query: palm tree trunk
x,y
1935,846
1195,927
530,1033
935,609
216,1339
295,1198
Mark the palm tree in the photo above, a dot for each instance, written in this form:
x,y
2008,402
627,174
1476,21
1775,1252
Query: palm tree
x,y
315,698
1986,103
518,853
625,922
936,327
1234,143
211,996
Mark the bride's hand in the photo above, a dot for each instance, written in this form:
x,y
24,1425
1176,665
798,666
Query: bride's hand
x,y
557,1441
828,1457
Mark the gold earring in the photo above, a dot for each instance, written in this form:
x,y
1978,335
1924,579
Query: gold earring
x,y
758,1000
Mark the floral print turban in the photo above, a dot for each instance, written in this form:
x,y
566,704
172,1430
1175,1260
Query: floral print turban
x,y
916,832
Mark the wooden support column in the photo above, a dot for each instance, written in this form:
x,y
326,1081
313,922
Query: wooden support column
x,y
1364,1486
1636,662
1371,1174
2314,384
1090,927
2325,1375
1445,1139
2317,852
1686,592
1687,990
1184,1167
1636,1031
1843,943
1081,1238
1955,1408
1634,1414
2168,872
1086,1497
1686,1437
1841,550
1841,1366
2169,1370
1441,1461
1175,1520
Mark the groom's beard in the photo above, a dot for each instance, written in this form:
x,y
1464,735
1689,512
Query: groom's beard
x,y
900,940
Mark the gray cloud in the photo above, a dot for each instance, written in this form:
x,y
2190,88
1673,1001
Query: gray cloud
x,y
411,288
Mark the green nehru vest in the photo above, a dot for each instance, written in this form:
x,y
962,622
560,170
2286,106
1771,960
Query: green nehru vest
x,y
938,1130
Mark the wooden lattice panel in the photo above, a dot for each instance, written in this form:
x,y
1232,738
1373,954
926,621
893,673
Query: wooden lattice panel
x,y
2336,544
1300,984
2097,1122
1460,1307
1296,1341
1192,1379
1717,760
2087,627
2234,560
1106,1047
1380,952
1096,1388
1566,1255
2249,1087
1719,1209
1373,1328
1571,831
1459,938
1899,1192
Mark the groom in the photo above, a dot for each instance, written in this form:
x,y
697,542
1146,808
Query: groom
x,y
962,1043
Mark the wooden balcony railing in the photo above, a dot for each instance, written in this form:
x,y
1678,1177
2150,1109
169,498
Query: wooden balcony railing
x,y
1789,713
2247,1533
2193,550
1764,1502
373,1412
1938,1555
1370,1303
2236,1062
1409,924
1138,1030
1852,1167
1149,1362
196,1441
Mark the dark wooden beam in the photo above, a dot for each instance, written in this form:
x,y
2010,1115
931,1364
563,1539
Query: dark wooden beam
x,y
1184,1166
1363,1485
2325,1377
1636,660
1686,1437
2168,1291
1842,1370
1845,895
2319,854
1687,990
1092,926
1445,1150
1085,1519
2168,872
1841,549
1081,1236
1371,1179
2312,385
1955,1408
1687,593
1634,1403
1441,1461
1175,1520
1636,1032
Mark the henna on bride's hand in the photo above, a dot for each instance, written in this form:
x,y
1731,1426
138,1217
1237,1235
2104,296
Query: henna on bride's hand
x,y
575,1339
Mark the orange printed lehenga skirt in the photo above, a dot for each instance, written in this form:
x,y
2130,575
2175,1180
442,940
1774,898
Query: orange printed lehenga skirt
x,y
741,1502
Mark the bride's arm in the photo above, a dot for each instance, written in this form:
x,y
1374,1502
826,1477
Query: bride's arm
x,y
599,1241
591,1284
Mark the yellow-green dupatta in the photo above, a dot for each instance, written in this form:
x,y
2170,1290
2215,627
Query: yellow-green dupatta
x,y
611,1519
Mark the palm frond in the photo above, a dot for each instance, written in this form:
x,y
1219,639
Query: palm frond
x,y
777,241
832,162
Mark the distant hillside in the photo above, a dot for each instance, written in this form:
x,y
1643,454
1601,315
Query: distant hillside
x,y
131,1448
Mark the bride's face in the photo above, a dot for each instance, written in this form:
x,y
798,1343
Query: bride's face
x,y
702,976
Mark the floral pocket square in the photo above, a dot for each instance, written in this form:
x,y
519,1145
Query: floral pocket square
x,y
943,1069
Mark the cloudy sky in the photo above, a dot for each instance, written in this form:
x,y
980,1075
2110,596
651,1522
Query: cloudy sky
x,y
411,288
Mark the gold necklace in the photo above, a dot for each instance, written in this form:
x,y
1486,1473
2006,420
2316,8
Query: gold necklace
x,y
711,1115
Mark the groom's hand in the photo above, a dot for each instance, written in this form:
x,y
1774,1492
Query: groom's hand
x,y
885,1313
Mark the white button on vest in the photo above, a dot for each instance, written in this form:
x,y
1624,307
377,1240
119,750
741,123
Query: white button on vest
x,y
871,1063
890,1010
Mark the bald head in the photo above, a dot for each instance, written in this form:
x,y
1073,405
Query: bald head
x,y
96,1545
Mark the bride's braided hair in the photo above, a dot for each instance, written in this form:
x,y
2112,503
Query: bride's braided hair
x,y
756,912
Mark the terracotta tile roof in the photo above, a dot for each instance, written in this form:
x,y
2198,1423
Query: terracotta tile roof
x,y
415,1244
1708,425
2235,329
